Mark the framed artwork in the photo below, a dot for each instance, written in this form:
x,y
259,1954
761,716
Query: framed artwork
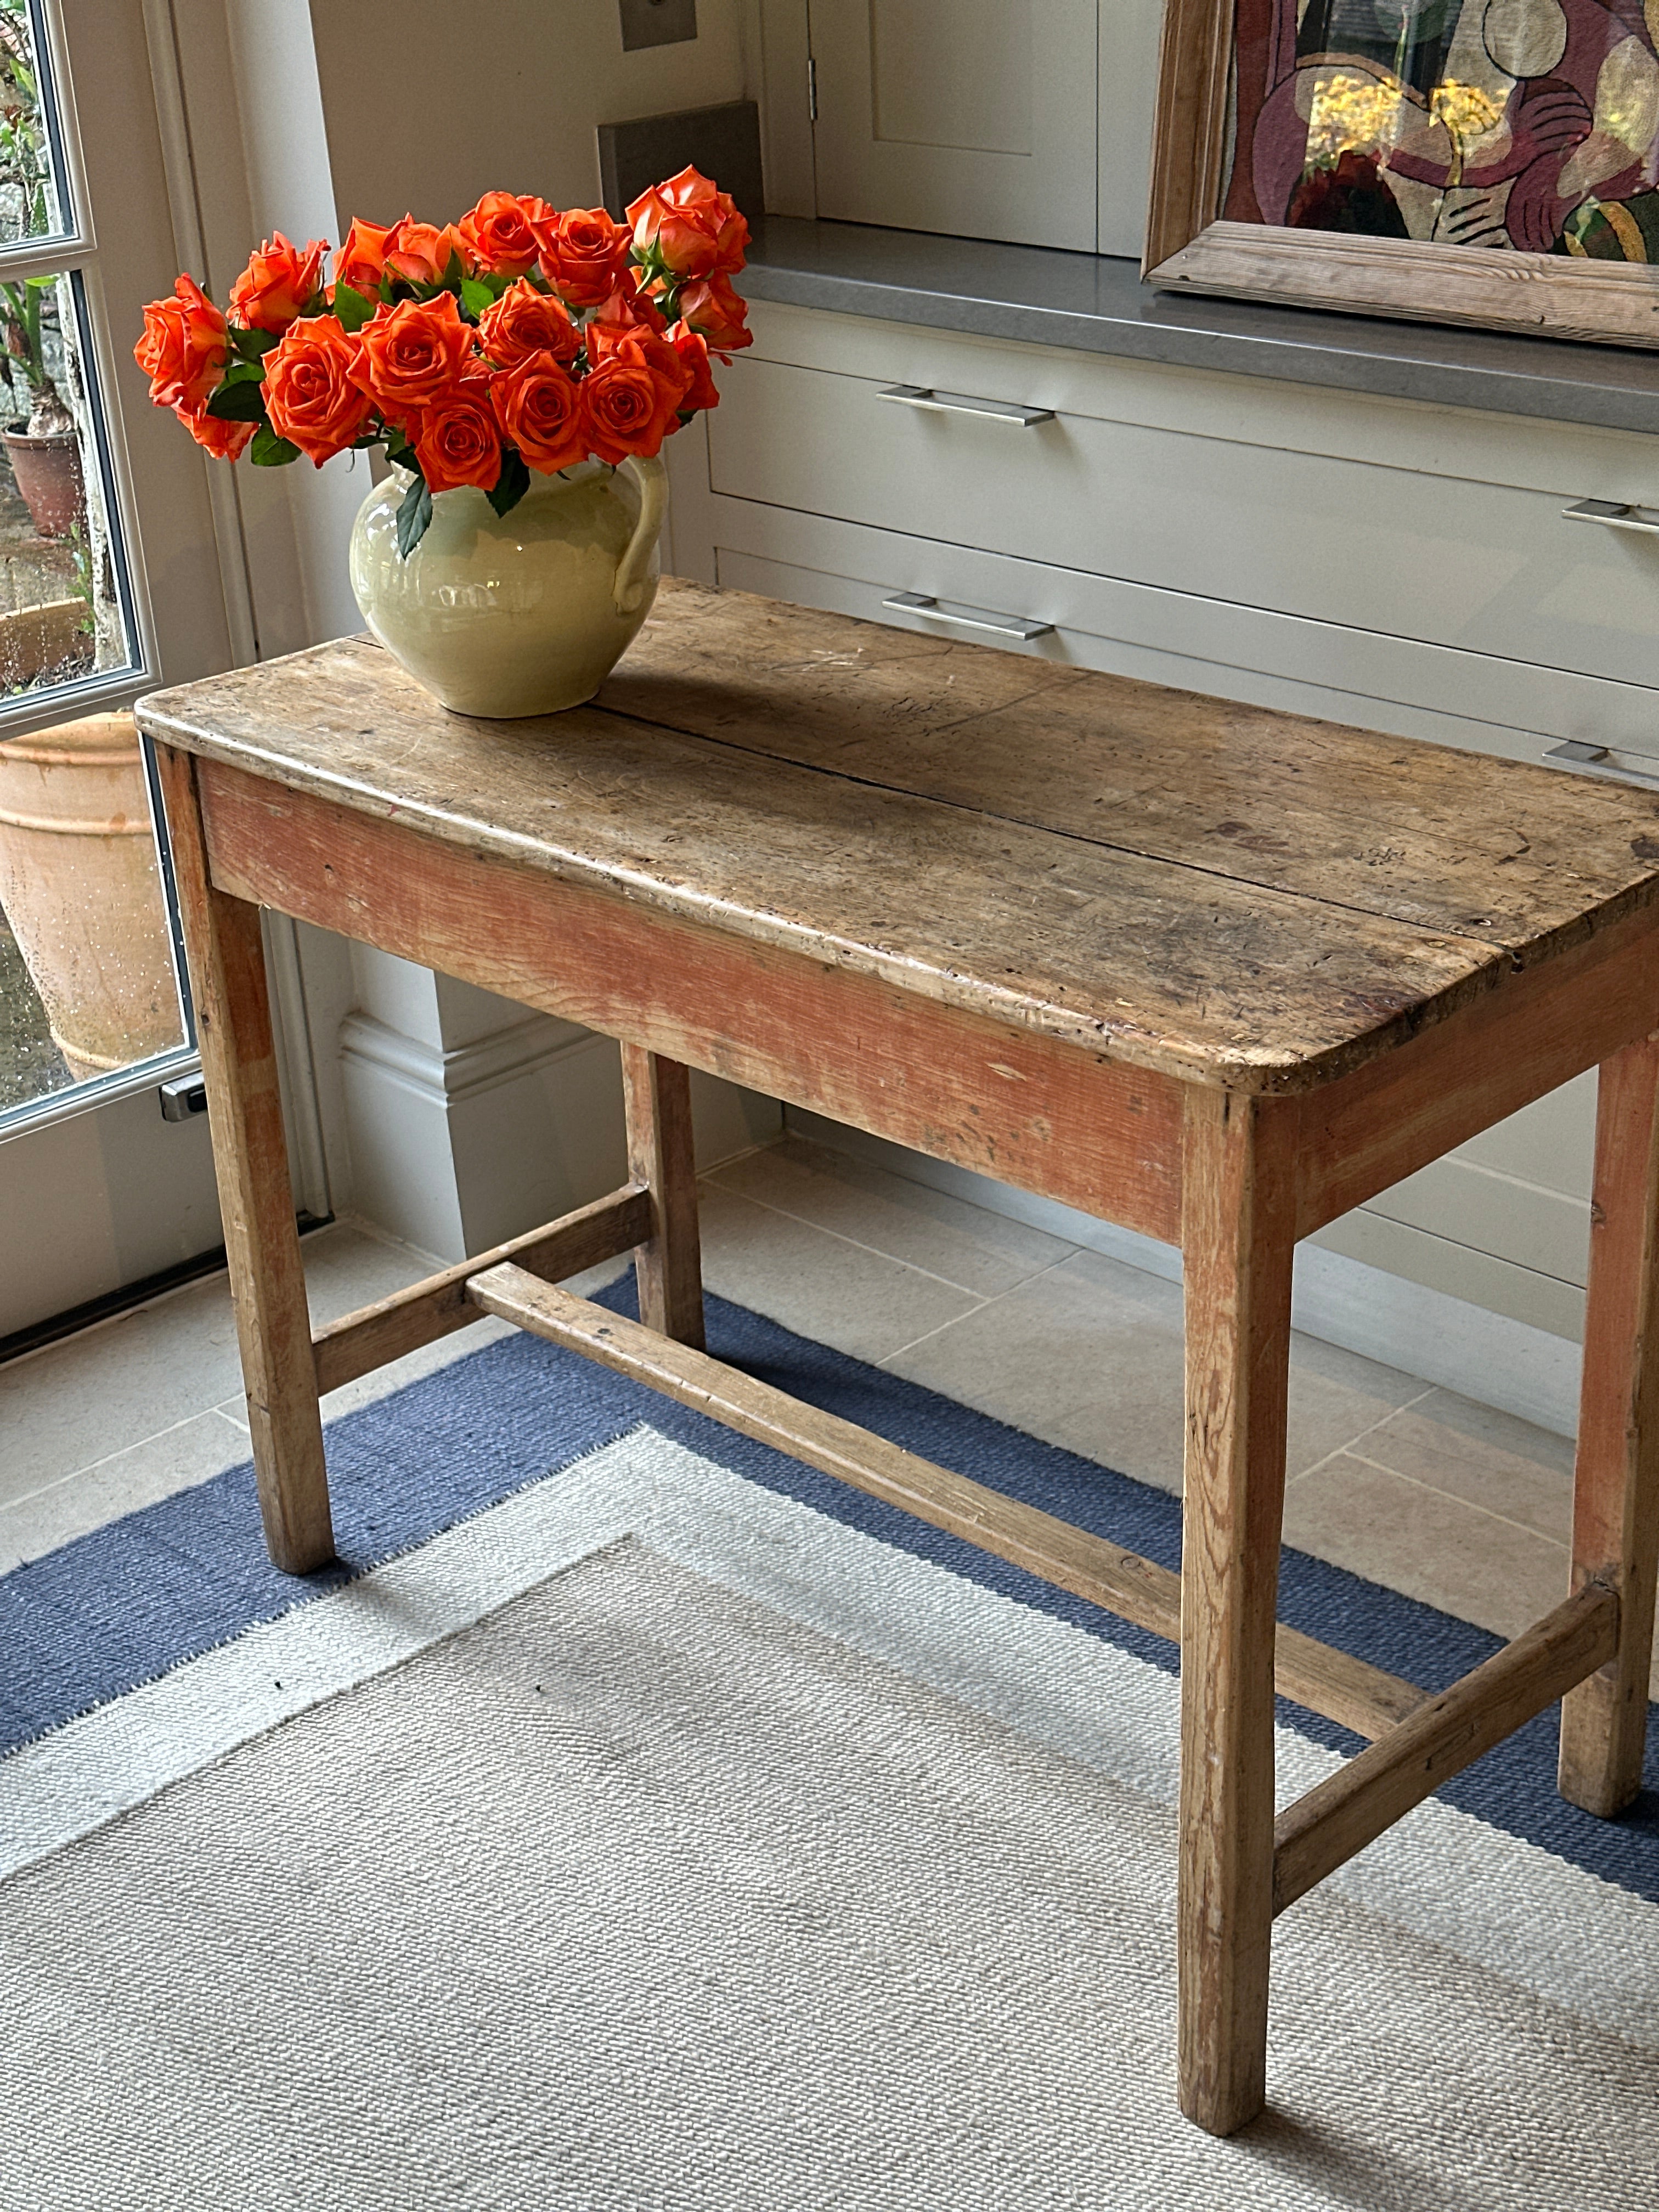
x,y
1493,163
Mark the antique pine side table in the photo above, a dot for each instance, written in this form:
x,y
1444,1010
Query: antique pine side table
x,y
1213,973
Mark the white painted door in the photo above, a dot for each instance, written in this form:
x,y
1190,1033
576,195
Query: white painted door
x,y
971,116
117,587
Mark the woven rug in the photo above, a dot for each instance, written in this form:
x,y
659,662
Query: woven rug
x,y
652,1836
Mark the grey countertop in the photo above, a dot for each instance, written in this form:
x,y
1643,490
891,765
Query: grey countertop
x,y
1098,304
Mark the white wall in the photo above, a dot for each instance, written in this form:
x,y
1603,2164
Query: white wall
x,y
501,95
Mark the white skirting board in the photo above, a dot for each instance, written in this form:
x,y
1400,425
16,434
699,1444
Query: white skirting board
x,y
1489,1357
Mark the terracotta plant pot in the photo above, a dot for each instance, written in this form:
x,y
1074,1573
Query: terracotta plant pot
x,y
48,473
525,613
82,891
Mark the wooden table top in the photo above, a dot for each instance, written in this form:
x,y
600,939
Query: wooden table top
x,y
1219,892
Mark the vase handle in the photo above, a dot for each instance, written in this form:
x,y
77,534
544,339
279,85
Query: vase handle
x,y
633,579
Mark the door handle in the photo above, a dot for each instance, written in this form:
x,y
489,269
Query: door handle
x,y
1613,514
957,402
921,602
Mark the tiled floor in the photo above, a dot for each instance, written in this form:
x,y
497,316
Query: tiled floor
x,y
1407,1484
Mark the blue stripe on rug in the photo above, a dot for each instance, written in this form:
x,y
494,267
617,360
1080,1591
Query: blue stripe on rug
x,y
129,1602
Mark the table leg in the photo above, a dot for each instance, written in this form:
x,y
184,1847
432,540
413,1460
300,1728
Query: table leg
x,y
250,1158
1238,1241
1615,1537
657,1098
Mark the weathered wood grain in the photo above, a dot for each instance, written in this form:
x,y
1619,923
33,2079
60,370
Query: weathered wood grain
x,y
250,1158
1498,851
1008,1102
1238,1241
1385,1119
1605,302
1312,1673
1189,126
1178,969
1615,1535
374,1334
1316,1834
668,1265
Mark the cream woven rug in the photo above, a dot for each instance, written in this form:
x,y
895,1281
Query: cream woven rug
x,y
653,1841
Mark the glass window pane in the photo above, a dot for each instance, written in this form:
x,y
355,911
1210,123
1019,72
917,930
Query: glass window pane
x,y
62,616
88,982
30,199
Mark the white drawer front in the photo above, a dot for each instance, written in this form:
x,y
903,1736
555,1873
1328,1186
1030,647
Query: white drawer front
x,y
1397,684
1488,569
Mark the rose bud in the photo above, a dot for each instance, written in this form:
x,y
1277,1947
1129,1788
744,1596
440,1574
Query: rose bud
x,y
278,285
694,229
420,253
360,261
718,313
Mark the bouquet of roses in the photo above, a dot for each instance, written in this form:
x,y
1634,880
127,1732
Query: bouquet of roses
x,y
518,338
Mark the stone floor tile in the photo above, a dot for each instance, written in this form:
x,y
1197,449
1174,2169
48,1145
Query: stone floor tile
x,y
1426,1544
192,1452
1487,1458
859,1301
982,1252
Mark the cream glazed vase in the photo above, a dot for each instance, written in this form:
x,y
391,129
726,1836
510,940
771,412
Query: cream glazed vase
x,y
525,613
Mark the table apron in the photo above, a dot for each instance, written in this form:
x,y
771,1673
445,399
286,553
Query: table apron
x,y
1045,1116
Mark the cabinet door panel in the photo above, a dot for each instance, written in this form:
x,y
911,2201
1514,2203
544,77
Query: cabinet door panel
x,y
973,116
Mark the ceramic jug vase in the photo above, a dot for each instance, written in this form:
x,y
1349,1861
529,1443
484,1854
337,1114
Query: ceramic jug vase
x,y
525,613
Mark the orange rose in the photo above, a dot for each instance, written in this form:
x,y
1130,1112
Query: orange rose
x,y
583,253
419,252
226,442
360,261
626,409
277,285
693,350
412,353
311,394
715,311
604,340
696,229
499,234
523,322
184,349
539,406
457,440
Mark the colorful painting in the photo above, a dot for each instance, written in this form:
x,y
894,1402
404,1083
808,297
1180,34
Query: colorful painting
x,y
1523,125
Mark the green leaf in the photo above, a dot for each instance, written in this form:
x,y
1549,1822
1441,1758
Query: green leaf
x,y
239,402
452,273
398,450
513,483
351,308
268,450
475,298
245,372
413,517
252,345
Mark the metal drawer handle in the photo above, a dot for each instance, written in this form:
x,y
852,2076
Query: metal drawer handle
x,y
919,603
957,402
1613,514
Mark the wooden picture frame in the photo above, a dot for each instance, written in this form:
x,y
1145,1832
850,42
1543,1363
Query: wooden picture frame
x,y
1209,95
